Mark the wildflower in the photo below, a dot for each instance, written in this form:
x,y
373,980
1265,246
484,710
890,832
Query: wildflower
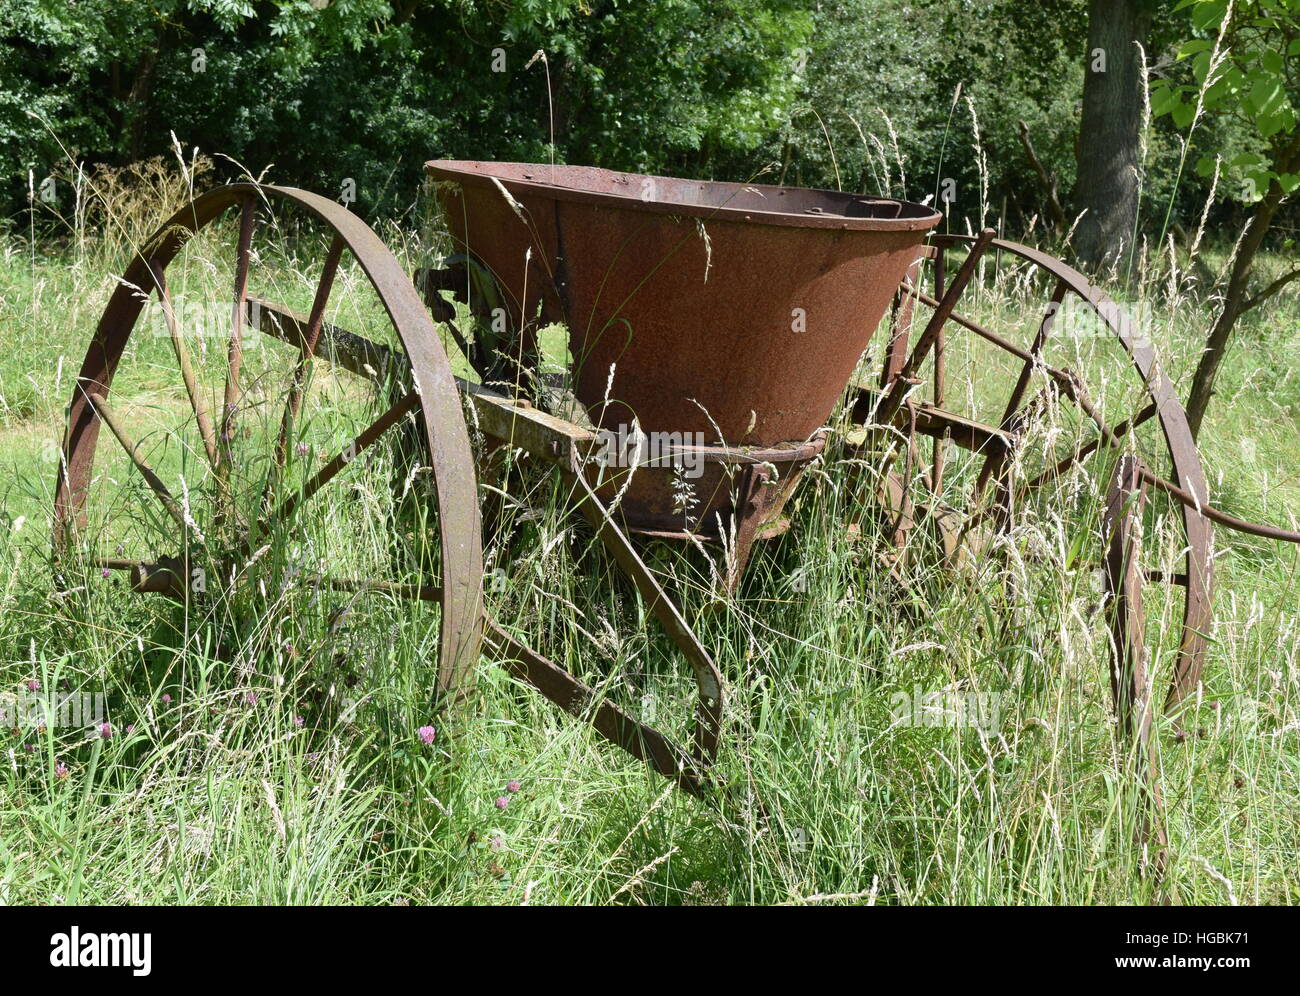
x,y
513,786
250,699
33,685
302,449
427,733
502,802
105,573
298,721
31,749
166,699
60,771
130,728
106,730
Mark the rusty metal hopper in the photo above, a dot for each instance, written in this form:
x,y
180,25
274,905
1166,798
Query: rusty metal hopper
x,y
727,309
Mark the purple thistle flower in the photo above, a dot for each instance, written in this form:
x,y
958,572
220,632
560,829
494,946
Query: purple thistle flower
x,y
105,573
427,733
513,786
502,802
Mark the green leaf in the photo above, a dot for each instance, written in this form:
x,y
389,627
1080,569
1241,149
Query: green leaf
x,y
1247,159
1266,95
1201,66
1162,98
1209,14
1194,46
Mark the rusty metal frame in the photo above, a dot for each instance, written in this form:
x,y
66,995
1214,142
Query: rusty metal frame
x,y
442,421
996,441
1123,578
565,446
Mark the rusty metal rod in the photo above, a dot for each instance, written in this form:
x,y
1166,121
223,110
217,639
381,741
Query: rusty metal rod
x,y
993,462
311,336
109,417
197,401
235,351
1119,431
942,311
407,404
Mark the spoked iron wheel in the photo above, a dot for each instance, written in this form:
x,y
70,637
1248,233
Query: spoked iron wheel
x,y
1054,382
202,456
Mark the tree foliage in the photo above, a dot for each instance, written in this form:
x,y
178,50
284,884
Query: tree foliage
x,y
369,89
1244,64
862,94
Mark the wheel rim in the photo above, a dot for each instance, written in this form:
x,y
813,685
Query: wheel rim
x,y
431,402
1158,419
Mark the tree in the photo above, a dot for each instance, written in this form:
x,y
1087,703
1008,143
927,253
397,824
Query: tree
x,y
1249,71
367,90
1110,129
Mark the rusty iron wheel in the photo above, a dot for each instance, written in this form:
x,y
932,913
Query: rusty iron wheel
x,y
223,438
1050,396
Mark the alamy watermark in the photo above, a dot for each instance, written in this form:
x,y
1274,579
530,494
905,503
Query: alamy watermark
x,y
203,319
628,446
34,708
947,707
94,950
1076,318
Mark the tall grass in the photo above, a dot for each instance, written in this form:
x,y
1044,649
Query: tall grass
x,y
210,790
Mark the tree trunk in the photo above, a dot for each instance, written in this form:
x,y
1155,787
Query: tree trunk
x,y
139,101
1107,187
1234,306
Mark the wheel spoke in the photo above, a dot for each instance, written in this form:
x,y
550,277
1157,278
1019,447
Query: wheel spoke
x,y
235,353
1110,436
345,349
993,462
943,309
408,403
1117,432
939,454
311,336
197,401
109,417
